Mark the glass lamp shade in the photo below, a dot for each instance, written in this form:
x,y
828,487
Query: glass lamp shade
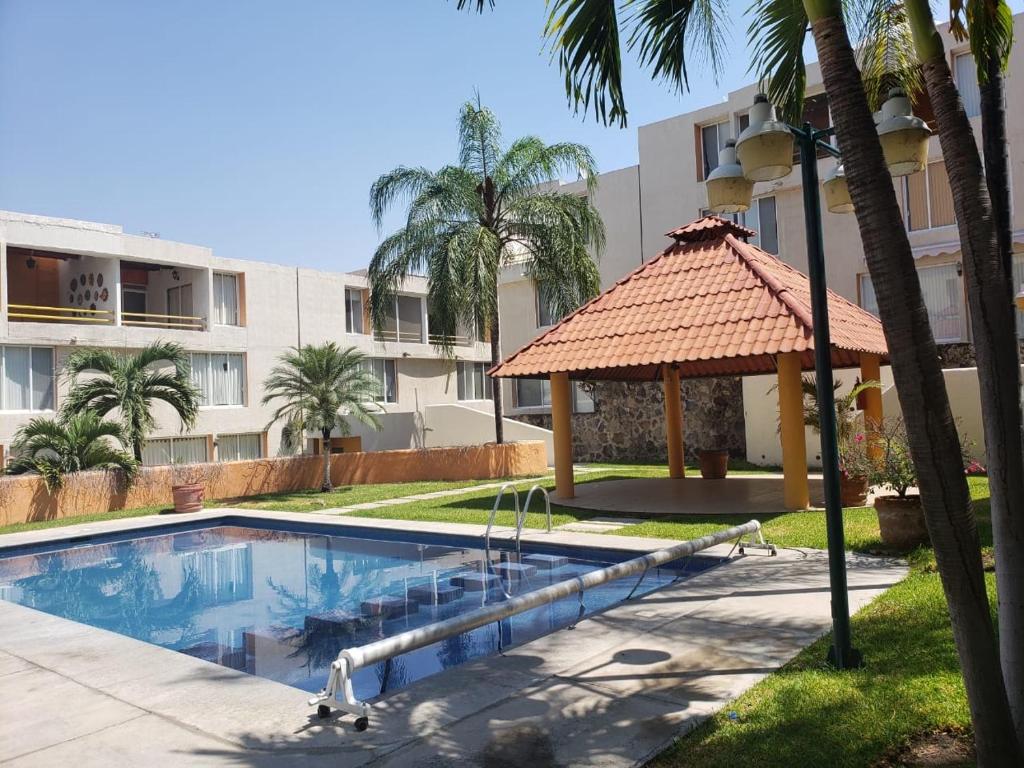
x,y
903,135
765,148
729,191
837,191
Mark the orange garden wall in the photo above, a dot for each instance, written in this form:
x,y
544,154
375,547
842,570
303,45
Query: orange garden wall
x,y
25,498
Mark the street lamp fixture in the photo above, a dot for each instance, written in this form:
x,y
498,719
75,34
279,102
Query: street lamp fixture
x,y
729,191
765,147
904,135
837,191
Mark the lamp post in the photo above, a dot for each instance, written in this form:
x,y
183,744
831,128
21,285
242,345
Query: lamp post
x,y
763,152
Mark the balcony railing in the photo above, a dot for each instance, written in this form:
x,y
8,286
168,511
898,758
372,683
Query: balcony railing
x,y
32,312
410,337
457,341
149,320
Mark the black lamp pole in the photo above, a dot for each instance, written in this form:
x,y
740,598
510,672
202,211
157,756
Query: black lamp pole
x,y
842,654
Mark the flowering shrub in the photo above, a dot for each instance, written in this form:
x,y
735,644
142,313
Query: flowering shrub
x,y
853,456
895,470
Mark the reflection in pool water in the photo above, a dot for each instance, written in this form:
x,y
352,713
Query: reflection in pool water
x,y
282,604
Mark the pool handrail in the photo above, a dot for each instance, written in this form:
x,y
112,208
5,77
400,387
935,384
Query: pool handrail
x,y
351,659
494,512
521,518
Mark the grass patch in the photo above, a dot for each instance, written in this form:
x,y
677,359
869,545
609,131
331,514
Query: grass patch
x,y
117,514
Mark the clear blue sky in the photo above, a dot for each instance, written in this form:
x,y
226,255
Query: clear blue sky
x,y
256,127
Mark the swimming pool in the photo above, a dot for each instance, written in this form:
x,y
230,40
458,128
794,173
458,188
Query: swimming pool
x,y
281,601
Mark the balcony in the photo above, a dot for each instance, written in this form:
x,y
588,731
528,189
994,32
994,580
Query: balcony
x,y
76,289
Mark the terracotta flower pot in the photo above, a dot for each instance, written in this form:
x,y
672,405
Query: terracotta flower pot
x,y
901,521
714,464
853,490
188,498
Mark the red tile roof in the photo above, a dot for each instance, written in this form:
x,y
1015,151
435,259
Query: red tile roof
x,y
710,303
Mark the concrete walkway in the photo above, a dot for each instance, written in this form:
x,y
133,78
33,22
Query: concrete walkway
x,y
613,692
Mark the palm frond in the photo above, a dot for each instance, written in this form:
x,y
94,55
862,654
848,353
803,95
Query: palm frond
x,y
479,139
584,35
402,182
777,31
885,48
990,29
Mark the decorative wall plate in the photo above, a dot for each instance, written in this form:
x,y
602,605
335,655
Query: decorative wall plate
x,y
79,299
74,283
81,279
88,294
104,295
92,279
99,280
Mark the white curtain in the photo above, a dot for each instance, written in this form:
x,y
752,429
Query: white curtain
x,y
225,299
219,379
156,452
42,379
944,298
188,450
966,75
234,384
16,379
239,447
867,295
201,376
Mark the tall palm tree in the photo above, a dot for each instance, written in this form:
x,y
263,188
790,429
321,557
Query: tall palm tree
x,y
53,448
465,222
321,385
586,36
129,383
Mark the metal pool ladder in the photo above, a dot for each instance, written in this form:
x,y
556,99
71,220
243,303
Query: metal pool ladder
x,y
520,514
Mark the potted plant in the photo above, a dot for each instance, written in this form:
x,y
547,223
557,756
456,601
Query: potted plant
x,y
900,517
854,469
714,464
187,487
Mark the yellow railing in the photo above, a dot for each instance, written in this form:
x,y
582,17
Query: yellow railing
x,y
458,341
402,336
147,319
60,314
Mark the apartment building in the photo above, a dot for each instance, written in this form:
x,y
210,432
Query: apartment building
x,y
666,188
68,284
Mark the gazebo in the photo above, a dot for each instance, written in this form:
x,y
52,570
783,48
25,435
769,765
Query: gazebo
x,y
710,304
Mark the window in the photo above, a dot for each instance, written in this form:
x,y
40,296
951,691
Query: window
x,y
26,378
175,450
761,218
409,310
384,372
474,383
133,300
545,314
536,393
179,302
943,297
353,310
742,123
712,140
928,199
220,377
240,447
1018,286
965,73
225,299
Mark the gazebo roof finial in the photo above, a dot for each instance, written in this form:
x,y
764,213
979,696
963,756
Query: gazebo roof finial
x,y
710,227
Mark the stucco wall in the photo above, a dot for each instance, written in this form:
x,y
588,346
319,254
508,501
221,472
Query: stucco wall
x,y
458,424
25,498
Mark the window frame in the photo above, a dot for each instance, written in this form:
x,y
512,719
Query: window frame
x,y
478,376
954,68
170,440
542,307
350,315
705,167
244,383
371,363
221,437
31,374
905,186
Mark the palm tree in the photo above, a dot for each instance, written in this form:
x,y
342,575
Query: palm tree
x,y
466,221
321,385
129,383
585,33
54,447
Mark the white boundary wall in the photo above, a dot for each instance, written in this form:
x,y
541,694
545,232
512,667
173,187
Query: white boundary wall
x,y
449,424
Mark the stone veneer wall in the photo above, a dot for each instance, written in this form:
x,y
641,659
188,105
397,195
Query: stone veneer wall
x,y
628,422
962,355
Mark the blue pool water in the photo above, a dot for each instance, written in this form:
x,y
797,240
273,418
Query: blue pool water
x,y
280,604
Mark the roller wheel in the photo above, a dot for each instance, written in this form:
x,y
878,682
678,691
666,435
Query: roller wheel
x,y
362,723
774,551
740,550
323,711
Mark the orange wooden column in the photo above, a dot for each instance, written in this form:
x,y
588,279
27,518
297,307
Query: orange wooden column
x,y
673,421
796,493
561,426
871,370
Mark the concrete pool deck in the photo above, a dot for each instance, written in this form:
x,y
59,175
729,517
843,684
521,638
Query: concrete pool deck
x,y
612,692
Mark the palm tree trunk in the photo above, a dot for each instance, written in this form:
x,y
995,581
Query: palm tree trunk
x,y
997,161
993,319
919,383
326,486
496,395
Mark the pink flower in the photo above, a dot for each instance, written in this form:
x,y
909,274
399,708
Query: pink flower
x,y
859,437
